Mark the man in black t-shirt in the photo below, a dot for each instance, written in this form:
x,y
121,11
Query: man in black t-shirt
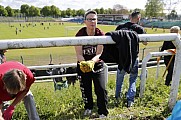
x,y
132,26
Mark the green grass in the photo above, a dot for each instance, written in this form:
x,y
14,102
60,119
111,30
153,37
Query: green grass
x,y
67,103
41,56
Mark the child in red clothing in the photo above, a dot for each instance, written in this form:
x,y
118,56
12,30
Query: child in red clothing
x,y
15,82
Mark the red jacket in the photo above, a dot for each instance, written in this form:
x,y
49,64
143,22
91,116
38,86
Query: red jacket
x,y
4,95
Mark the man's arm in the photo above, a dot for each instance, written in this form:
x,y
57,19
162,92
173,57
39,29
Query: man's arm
x,y
143,32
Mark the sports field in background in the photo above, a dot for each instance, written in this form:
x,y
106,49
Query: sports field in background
x,y
42,56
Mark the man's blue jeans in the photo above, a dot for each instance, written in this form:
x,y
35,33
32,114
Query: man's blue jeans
x,y
132,82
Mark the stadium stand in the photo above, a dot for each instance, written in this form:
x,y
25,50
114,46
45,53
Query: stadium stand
x,y
162,24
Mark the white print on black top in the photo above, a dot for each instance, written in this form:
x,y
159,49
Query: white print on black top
x,y
89,50
127,29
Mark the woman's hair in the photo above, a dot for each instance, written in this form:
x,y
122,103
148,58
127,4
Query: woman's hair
x,y
89,12
175,28
14,81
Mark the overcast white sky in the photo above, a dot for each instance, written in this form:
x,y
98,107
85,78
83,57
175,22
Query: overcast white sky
x,y
78,4
75,4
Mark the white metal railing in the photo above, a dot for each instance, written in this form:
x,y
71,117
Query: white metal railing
x,y
45,67
72,41
52,66
144,63
94,40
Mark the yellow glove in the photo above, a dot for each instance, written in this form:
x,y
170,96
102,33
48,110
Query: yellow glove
x,y
83,66
86,66
91,64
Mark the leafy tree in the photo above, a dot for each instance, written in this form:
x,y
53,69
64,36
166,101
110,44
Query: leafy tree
x,y
16,12
37,11
101,11
74,13
34,11
80,12
63,13
25,9
46,11
55,11
109,11
69,12
173,15
3,11
120,9
10,11
97,10
153,8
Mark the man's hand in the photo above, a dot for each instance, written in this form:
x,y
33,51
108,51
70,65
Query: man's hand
x,y
8,113
86,66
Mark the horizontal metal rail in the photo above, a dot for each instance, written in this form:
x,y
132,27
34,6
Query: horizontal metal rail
x,y
73,74
72,41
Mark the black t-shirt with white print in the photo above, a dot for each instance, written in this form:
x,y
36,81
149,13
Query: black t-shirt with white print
x,y
89,51
131,26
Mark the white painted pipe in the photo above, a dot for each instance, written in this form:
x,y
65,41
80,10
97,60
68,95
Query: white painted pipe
x,y
52,66
144,63
71,41
176,75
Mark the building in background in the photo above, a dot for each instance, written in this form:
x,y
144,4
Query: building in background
x,y
105,18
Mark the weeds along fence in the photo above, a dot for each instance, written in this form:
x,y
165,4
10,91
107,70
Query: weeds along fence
x,y
94,40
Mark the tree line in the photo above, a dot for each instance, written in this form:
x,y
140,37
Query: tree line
x,y
53,11
153,8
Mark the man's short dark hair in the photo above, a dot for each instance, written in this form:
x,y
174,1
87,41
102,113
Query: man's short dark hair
x,y
89,12
135,13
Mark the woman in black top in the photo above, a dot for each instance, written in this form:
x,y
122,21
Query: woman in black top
x,y
92,52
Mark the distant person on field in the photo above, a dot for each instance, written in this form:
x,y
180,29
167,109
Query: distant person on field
x,y
169,45
132,26
91,68
163,29
15,82
16,31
